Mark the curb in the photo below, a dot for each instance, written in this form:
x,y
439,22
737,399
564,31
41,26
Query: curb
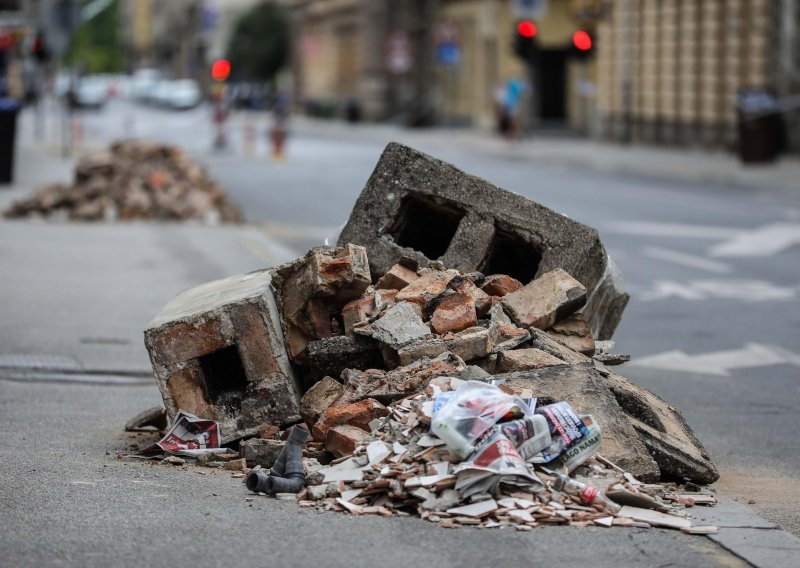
x,y
749,536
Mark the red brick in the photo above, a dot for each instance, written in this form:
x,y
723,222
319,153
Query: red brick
x,y
187,390
575,333
483,302
268,431
342,440
500,285
356,312
318,398
359,414
425,288
524,359
397,278
186,341
454,313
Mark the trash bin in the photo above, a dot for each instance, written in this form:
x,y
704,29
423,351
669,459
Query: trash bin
x,y
8,126
760,132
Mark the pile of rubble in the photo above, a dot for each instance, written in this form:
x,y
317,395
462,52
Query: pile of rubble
x,y
402,468
378,344
133,180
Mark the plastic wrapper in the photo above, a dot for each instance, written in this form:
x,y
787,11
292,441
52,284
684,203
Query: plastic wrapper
x,y
471,411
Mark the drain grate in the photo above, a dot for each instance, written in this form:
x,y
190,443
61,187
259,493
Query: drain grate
x,y
40,362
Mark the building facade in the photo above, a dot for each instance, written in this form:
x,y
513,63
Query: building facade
x,y
671,71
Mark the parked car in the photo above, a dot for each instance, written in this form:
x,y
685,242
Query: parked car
x,y
143,83
182,94
89,92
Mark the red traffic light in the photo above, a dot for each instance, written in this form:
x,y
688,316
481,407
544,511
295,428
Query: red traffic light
x,y
220,69
582,40
527,29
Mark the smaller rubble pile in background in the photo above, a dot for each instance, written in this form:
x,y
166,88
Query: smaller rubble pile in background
x,y
134,179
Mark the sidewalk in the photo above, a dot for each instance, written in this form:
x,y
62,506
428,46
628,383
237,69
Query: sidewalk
x,y
73,369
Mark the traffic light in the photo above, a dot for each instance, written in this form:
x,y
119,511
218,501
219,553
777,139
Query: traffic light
x,y
39,49
525,46
582,44
221,70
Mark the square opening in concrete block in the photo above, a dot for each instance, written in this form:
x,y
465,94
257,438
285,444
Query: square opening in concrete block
x,y
426,227
224,375
512,255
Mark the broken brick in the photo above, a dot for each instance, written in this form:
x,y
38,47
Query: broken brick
x,y
525,359
397,278
464,285
357,312
268,431
455,312
429,285
500,285
218,352
388,386
342,440
313,289
318,398
546,300
574,332
359,414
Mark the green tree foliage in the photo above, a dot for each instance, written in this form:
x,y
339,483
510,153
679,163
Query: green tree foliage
x,y
96,45
259,45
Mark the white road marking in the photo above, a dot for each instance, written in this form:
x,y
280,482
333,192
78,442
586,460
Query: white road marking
x,y
764,241
687,259
742,290
719,363
649,229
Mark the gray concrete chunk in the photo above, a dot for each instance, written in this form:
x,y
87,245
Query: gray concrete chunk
x,y
421,208
399,326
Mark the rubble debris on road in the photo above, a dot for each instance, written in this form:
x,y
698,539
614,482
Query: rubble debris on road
x,y
133,179
467,399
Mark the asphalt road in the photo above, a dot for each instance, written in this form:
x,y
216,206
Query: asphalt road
x,y
713,270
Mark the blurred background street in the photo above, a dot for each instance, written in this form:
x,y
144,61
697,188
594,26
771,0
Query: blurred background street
x,y
644,133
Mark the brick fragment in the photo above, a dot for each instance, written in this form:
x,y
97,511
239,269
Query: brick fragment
x,y
397,278
388,386
575,333
342,440
429,285
318,398
357,312
481,299
313,290
359,414
500,285
540,340
268,431
236,465
525,359
455,312
546,300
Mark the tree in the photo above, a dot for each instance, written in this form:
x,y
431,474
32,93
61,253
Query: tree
x,y
96,43
259,45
